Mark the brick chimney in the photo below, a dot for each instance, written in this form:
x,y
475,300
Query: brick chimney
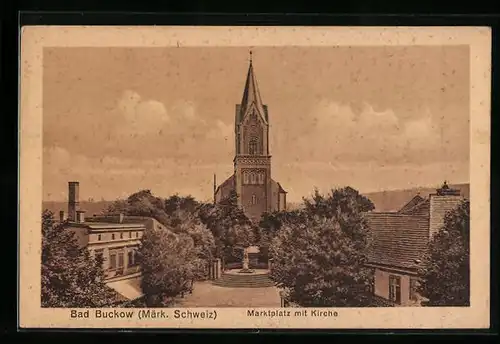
x,y
444,200
73,200
445,190
80,216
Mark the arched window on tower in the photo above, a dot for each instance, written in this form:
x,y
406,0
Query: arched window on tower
x,y
261,177
252,178
253,146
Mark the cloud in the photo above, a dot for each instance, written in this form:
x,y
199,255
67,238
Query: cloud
x,y
186,110
338,133
221,130
141,116
111,176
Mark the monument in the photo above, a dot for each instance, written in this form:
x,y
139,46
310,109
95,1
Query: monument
x,y
246,269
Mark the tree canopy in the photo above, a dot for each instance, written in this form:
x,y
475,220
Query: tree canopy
x,y
320,258
70,276
272,222
168,263
445,267
228,223
186,223
141,203
180,215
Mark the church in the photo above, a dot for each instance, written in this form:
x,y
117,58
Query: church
x,y
257,191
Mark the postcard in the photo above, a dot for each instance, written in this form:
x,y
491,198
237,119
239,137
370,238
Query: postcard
x,y
254,177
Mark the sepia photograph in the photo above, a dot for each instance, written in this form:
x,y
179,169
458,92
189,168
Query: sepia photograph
x,y
255,179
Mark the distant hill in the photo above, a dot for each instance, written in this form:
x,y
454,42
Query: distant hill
x,y
91,208
390,200
393,200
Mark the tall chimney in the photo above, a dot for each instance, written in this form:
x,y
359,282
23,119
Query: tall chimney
x,y
73,200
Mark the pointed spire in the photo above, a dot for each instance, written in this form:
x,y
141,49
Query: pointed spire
x,y
251,93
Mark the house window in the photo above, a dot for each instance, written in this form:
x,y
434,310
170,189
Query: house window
x,y
136,234
395,289
130,235
130,258
99,237
120,260
113,236
254,199
121,235
112,261
413,289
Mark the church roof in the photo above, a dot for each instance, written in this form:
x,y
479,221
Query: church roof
x,y
229,182
281,188
251,95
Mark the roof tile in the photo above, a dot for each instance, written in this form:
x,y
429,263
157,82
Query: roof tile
x,y
397,240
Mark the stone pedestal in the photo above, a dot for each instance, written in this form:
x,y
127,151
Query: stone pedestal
x,y
210,271
218,268
215,269
269,264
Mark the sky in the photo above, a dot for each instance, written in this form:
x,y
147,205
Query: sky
x,y
119,120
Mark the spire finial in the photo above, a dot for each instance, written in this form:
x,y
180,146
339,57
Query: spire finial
x,y
250,56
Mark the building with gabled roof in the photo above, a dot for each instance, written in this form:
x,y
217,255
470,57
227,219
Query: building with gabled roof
x,y
400,239
251,180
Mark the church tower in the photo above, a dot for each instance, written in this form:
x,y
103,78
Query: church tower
x,y
252,161
251,179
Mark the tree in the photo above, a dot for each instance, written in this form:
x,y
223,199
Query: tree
x,y
320,259
70,276
175,203
271,223
445,267
203,240
341,203
228,223
141,203
168,266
